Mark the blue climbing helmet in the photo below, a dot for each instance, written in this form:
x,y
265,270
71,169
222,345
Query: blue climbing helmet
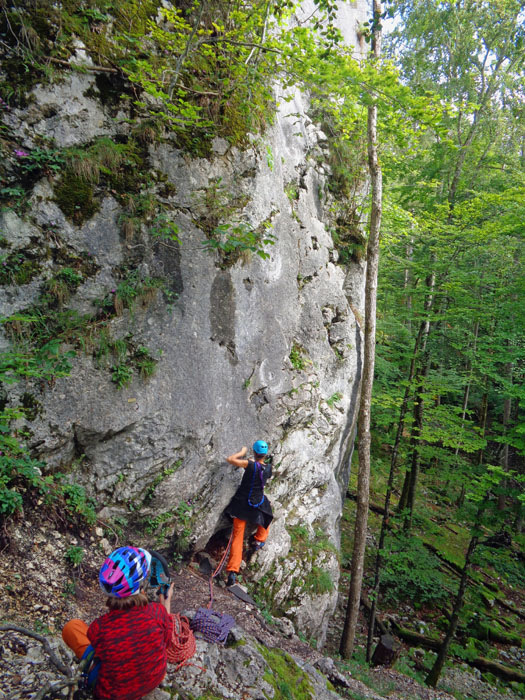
x,y
260,447
124,571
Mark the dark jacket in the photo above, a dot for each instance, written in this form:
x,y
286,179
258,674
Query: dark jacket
x,y
250,503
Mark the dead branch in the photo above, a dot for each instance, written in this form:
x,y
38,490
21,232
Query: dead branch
x,y
65,670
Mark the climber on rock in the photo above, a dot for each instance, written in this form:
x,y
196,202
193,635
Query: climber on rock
x,y
129,643
249,504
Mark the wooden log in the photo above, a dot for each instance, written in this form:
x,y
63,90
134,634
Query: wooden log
x,y
505,672
485,632
449,564
372,506
416,639
512,608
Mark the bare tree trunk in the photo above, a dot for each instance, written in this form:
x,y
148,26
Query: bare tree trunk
x,y
436,669
372,264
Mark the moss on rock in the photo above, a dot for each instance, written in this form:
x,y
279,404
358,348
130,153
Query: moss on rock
x,y
75,197
285,676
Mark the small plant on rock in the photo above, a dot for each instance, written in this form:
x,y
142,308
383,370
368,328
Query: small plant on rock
x,y
75,555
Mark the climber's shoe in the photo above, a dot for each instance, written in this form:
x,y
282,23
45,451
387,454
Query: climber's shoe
x,y
232,577
255,546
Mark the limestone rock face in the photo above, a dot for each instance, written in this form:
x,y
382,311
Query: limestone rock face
x,y
261,348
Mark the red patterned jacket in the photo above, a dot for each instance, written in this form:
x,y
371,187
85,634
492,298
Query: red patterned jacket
x,y
131,645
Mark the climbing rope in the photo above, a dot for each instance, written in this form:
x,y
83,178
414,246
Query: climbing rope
x,y
213,626
220,567
182,644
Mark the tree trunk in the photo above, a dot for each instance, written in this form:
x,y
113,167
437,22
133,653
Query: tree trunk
x,y
424,332
421,341
483,414
415,442
386,651
507,407
466,393
436,669
372,264
409,254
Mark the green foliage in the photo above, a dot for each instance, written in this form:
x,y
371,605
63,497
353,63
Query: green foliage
x,y
144,362
75,498
312,547
298,357
411,573
121,375
506,563
17,268
359,669
103,159
133,289
234,240
166,472
226,232
164,229
12,196
75,555
21,476
335,398
318,581
61,286
208,52
174,527
416,668
42,161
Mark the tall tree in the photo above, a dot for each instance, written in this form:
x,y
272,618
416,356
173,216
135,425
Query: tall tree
x,y
372,265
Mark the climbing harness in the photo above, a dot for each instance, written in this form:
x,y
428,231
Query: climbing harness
x,y
259,470
211,625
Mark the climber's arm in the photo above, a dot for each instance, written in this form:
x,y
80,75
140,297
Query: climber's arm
x,y
237,458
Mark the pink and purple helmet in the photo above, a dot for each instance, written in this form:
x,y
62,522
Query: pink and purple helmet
x,y
124,571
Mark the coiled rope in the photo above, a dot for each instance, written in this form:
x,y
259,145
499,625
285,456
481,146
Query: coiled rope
x,y
182,644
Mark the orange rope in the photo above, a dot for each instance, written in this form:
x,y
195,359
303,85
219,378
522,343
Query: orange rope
x,y
182,644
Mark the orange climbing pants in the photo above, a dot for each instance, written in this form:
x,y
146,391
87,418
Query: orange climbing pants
x,y
234,562
74,634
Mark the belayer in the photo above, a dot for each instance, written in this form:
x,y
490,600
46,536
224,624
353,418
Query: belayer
x,y
249,504
129,642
